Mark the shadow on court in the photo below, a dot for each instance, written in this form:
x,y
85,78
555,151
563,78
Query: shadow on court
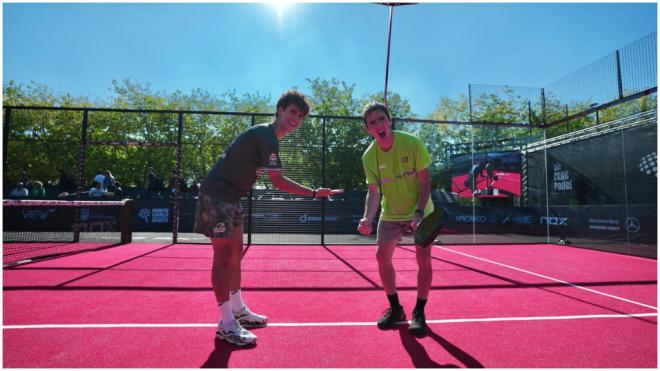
x,y
219,358
420,356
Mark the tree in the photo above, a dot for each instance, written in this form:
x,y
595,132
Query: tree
x,y
41,142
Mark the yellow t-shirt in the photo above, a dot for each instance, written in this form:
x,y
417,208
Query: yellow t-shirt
x,y
396,171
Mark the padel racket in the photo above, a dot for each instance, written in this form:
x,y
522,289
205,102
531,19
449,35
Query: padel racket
x,y
431,226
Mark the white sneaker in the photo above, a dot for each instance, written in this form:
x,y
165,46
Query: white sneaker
x,y
249,319
235,334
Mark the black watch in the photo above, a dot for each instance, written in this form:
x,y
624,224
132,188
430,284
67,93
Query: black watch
x,y
420,211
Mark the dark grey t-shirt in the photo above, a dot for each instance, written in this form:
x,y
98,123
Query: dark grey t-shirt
x,y
247,158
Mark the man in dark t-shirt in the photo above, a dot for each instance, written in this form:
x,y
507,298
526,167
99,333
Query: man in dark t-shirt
x,y
249,155
219,214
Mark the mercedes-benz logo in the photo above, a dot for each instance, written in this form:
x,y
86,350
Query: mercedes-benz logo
x,y
632,225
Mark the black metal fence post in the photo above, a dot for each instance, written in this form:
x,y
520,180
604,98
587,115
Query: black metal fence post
x,y
323,199
5,140
177,183
618,74
81,174
543,118
249,219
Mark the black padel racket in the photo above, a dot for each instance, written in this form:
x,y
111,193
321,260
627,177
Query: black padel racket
x,y
431,226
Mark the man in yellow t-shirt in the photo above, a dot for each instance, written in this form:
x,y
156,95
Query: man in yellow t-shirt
x,y
396,166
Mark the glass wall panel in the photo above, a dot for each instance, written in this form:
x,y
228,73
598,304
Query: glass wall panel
x,y
502,214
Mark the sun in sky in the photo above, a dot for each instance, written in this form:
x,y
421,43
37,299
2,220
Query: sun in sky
x,y
280,7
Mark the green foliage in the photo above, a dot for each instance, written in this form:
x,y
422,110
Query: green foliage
x,y
642,104
42,142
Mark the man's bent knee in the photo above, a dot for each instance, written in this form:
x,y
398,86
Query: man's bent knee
x,y
384,254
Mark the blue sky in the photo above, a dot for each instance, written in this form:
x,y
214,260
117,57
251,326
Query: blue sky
x,y
437,48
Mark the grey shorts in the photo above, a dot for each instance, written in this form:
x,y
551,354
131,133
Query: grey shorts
x,y
389,231
216,218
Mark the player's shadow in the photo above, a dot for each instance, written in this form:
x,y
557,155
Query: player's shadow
x,y
420,356
219,358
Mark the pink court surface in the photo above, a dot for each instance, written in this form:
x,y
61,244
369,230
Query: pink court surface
x,y
500,306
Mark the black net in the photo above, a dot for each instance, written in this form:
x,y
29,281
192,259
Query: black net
x,y
501,183
205,138
506,104
42,147
43,228
282,217
138,140
581,90
145,144
614,79
639,65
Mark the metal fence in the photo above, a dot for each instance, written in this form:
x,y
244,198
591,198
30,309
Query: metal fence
x,y
621,76
487,206
181,146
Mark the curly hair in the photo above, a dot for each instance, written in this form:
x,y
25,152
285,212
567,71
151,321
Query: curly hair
x,y
293,97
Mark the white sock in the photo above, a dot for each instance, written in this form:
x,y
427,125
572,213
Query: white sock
x,y
226,314
236,300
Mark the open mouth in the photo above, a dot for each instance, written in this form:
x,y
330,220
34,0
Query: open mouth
x,y
382,134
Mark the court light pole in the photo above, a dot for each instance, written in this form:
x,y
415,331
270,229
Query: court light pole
x,y
389,42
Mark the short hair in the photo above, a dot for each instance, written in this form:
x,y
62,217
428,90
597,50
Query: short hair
x,y
372,107
293,97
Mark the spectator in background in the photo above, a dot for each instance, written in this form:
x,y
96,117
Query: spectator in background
x,y
97,190
172,185
66,184
108,180
99,178
27,182
38,190
194,188
183,186
154,184
19,191
116,190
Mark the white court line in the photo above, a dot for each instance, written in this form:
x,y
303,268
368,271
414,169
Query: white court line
x,y
319,324
548,278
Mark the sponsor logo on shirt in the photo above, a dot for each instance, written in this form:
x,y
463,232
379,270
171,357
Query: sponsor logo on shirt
x,y
219,228
404,159
412,173
272,160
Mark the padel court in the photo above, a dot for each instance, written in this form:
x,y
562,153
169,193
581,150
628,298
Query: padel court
x,y
547,260
496,306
